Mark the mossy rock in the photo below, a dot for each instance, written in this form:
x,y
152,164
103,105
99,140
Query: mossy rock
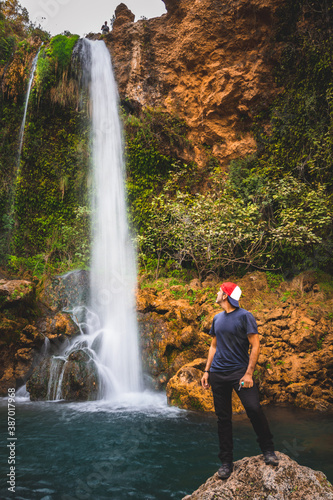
x,y
80,379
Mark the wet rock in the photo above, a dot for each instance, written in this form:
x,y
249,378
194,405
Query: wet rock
x,y
66,291
20,341
252,479
58,328
37,385
79,382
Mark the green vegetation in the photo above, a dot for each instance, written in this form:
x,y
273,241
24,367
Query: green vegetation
x,y
275,209
53,66
51,207
50,226
271,211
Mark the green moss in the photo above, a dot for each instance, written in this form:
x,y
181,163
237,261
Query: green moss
x,y
52,191
54,61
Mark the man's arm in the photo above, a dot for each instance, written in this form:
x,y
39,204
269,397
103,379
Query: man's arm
x,y
254,355
211,353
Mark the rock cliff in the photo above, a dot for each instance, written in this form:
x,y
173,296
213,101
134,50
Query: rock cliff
x,y
208,62
252,479
295,327
25,325
294,320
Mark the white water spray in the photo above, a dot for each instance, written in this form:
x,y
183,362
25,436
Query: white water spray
x,y
109,333
113,270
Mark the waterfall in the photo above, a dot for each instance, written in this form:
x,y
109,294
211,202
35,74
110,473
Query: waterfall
x,y
31,78
113,270
108,325
11,201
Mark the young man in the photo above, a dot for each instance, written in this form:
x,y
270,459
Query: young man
x,y
229,367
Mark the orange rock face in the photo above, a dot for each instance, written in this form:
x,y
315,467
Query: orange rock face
x,y
295,330
185,390
204,61
22,336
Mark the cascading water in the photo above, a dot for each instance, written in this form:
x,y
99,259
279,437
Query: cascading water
x,y
113,270
109,334
32,74
21,136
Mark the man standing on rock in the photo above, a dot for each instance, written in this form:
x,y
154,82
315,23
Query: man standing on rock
x,y
229,366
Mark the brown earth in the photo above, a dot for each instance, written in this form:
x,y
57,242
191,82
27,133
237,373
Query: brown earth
x,y
209,63
295,365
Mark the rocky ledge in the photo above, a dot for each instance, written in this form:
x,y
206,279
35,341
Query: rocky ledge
x,y
252,479
25,326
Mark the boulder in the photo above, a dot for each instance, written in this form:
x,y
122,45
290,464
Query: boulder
x,y
252,479
80,382
79,379
185,391
66,291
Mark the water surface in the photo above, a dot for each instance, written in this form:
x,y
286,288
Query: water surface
x,y
140,448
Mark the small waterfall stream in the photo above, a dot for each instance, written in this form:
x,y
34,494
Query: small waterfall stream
x,y
31,78
109,333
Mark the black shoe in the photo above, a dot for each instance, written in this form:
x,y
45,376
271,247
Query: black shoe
x,y
270,458
225,470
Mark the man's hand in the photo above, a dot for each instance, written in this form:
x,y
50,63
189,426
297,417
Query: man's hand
x,y
204,381
248,381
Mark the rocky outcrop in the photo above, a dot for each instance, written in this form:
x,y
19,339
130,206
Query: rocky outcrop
x,y
16,294
210,63
13,79
78,375
25,325
20,342
252,479
185,390
295,326
169,332
123,15
66,291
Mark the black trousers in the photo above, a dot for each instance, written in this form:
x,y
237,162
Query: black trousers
x,y
222,387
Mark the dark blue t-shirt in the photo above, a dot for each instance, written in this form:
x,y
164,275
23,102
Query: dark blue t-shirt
x,y
231,331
